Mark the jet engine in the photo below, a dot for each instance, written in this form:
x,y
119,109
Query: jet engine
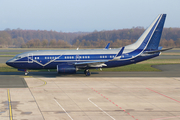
x,y
66,69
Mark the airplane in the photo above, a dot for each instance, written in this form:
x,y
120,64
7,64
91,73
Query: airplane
x,y
70,61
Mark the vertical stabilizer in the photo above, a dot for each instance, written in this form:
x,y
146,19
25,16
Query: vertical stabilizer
x,y
155,39
150,39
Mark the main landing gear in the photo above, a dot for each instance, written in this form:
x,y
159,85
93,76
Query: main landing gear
x,y
87,72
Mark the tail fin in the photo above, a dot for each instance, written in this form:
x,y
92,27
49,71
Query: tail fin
x,y
155,39
150,39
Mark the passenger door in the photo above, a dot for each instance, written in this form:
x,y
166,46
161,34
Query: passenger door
x,y
30,58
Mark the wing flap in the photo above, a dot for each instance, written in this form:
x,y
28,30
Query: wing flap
x,y
99,63
92,63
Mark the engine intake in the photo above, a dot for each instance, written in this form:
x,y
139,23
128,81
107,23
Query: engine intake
x,y
66,69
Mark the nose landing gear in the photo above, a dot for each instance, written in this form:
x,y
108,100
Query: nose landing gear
x,y
26,73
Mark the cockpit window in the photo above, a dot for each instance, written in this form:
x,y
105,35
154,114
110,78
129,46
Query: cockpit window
x,y
18,57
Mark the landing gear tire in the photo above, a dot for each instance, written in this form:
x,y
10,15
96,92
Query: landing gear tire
x,y
87,72
26,73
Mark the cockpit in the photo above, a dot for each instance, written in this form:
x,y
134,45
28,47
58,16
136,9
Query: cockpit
x,y
18,57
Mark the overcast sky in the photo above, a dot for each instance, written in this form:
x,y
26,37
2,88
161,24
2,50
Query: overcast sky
x,y
85,15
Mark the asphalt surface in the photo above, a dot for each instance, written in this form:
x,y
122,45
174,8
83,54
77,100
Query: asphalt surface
x,y
12,81
4,59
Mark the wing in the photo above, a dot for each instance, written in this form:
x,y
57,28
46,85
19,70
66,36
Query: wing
x,y
100,63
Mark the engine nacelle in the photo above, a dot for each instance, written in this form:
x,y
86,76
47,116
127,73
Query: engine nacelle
x,y
66,69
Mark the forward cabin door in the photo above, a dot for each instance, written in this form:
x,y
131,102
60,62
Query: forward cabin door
x,y
30,58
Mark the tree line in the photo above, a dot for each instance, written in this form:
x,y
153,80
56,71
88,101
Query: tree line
x,y
117,38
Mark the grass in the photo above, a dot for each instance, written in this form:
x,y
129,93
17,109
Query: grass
x,y
142,66
130,68
166,53
10,53
161,61
5,68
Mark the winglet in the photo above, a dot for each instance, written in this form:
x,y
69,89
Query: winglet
x,y
107,46
120,52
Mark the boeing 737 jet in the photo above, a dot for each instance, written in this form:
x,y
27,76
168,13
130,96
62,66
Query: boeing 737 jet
x,y
70,61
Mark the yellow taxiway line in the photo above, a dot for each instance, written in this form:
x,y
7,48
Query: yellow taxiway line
x,y
10,107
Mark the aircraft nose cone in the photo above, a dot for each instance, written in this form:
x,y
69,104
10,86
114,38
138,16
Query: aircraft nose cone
x,y
9,63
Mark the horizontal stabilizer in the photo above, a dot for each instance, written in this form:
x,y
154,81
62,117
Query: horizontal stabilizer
x,y
156,51
160,48
107,46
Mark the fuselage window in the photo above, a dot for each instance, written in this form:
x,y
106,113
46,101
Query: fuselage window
x,y
65,57
36,58
88,56
72,57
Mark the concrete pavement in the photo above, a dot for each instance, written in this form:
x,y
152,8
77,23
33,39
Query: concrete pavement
x,y
120,98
